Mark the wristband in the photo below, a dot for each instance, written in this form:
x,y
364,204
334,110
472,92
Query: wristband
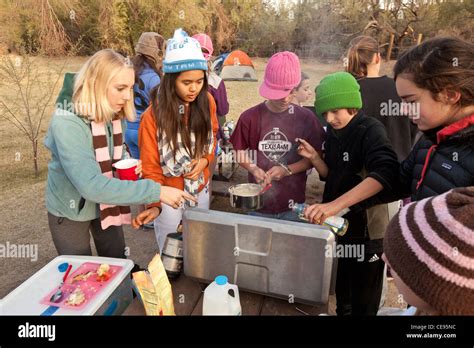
x,y
286,168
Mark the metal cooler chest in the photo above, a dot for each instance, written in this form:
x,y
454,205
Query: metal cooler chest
x,y
278,258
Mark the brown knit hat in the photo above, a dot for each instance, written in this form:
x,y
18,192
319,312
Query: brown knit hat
x,y
430,245
148,45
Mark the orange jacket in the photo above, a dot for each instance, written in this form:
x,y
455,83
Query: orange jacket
x,y
150,156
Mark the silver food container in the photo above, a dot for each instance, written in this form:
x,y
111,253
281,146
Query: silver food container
x,y
276,258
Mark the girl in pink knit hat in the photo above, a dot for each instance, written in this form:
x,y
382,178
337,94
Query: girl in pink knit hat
x,y
217,89
216,85
265,134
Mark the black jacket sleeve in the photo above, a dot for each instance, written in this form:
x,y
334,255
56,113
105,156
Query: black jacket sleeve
x,y
380,160
406,172
381,164
401,186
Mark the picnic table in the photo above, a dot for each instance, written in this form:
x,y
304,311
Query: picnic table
x,y
188,296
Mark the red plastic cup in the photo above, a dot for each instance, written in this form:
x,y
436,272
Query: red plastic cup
x,y
126,169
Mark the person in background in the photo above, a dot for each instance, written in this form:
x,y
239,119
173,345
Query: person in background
x,y
148,67
217,89
302,92
379,94
216,85
358,163
85,137
177,135
265,138
429,247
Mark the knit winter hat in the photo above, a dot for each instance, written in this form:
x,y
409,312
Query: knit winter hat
x,y
148,46
282,75
430,245
183,53
205,42
339,90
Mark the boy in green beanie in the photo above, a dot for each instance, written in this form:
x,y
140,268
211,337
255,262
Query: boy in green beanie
x,y
358,163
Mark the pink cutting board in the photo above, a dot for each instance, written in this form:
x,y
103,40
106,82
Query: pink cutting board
x,y
90,287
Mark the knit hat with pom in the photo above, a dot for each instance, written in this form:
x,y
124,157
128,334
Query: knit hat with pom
x,y
183,53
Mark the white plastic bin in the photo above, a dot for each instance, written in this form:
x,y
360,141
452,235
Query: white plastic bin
x,y
113,299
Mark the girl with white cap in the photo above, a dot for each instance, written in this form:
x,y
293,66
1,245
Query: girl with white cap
x,y
177,135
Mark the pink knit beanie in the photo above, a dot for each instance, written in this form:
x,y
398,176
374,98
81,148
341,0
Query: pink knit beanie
x,y
282,75
205,42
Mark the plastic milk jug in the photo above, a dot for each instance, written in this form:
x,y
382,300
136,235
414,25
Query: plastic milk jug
x,y
221,298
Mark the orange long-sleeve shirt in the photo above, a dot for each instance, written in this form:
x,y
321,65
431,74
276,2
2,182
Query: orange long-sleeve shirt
x,y
150,156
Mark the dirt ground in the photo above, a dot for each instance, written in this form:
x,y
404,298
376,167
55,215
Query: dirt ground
x,y
22,203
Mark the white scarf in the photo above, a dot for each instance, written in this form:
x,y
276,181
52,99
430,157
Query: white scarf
x,y
181,163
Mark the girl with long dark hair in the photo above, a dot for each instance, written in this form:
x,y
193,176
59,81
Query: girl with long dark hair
x,y
177,135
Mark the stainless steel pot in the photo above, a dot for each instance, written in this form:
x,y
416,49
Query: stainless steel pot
x,y
240,199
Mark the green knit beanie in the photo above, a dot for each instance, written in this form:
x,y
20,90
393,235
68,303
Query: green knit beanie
x,y
339,90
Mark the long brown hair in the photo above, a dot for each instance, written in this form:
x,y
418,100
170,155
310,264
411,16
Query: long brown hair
x,y
169,109
360,54
139,61
439,64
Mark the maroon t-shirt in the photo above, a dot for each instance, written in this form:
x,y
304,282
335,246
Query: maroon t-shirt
x,y
273,136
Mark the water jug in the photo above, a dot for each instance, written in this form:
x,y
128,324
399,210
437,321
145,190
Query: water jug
x,y
221,298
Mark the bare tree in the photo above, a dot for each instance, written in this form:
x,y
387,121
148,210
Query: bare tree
x,y
28,88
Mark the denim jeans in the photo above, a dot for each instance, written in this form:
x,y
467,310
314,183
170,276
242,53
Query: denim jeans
x,y
286,215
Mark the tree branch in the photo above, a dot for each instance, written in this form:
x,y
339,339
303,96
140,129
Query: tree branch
x,y
19,125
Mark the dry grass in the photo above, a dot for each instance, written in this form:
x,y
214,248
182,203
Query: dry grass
x,y
20,173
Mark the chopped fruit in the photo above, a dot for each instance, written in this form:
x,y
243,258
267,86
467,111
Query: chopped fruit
x,y
103,273
104,268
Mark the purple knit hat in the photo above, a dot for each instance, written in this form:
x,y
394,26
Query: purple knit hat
x,y
430,245
282,75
